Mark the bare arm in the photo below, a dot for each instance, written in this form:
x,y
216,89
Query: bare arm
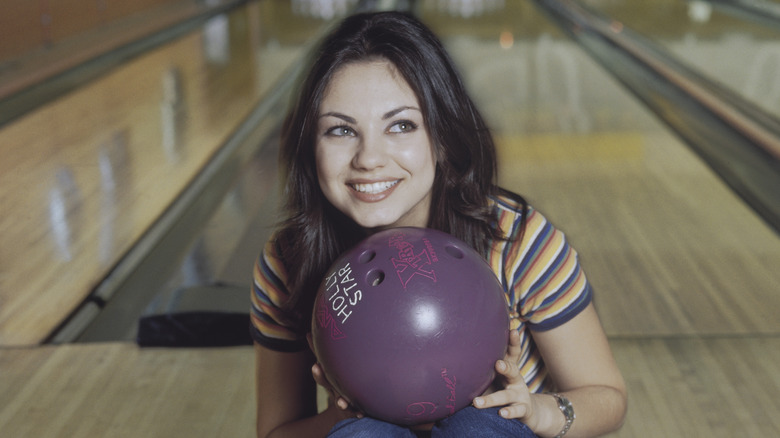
x,y
580,362
287,396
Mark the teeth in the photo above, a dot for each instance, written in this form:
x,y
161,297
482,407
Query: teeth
x,y
375,187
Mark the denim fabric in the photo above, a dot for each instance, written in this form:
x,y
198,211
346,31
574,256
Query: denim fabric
x,y
469,422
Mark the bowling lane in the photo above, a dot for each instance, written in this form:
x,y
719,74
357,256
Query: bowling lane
x,y
726,46
684,272
49,49
669,248
83,177
653,226
118,390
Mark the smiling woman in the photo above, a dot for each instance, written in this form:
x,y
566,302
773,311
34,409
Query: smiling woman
x,y
374,157
382,135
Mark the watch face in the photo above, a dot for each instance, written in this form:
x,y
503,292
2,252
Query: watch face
x,y
568,409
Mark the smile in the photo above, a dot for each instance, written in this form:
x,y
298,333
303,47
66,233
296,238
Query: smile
x,y
374,188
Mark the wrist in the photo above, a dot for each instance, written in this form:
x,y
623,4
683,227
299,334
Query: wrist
x,y
549,421
566,410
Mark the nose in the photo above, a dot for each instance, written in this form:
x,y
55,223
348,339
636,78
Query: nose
x,y
371,153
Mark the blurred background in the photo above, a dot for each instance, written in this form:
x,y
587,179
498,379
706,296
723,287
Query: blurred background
x,y
139,181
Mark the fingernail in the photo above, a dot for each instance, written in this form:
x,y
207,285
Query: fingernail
x,y
501,365
478,401
503,413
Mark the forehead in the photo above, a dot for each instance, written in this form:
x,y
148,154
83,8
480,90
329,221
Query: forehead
x,y
363,82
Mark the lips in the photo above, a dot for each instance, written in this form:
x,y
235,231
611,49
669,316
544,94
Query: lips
x,y
373,191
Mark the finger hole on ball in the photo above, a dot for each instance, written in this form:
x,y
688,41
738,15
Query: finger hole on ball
x,y
454,251
367,256
375,277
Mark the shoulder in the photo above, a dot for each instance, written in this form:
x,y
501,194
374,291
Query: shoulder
x,y
272,254
508,201
270,322
513,215
270,274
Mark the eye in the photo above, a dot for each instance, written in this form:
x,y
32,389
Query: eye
x,y
402,126
340,131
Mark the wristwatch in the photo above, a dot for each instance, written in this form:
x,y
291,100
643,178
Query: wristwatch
x,y
568,411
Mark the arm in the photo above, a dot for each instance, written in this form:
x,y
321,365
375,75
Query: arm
x,y
287,396
580,362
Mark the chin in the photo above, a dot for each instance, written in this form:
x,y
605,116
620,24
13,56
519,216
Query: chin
x,y
376,223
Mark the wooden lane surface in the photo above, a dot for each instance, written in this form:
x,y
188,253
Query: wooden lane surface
x,y
32,51
697,387
119,390
685,275
677,386
84,176
669,249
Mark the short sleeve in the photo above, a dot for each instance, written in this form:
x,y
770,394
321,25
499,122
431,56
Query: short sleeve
x,y
545,283
269,292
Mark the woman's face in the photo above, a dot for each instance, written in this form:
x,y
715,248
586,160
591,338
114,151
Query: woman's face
x,y
375,160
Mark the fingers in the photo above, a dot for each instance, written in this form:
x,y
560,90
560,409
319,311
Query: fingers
x,y
519,411
515,389
514,402
341,402
515,398
498,398
514,350
319,377
509,408
509,401
322,380
510,371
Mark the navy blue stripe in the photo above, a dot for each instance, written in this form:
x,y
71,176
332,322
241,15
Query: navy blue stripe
x,y
571,312
530,256
551,270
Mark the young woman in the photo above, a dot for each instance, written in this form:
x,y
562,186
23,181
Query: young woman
x,y
382,135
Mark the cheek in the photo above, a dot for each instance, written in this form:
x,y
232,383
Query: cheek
x,y
329,165
415,151
423,158
321,166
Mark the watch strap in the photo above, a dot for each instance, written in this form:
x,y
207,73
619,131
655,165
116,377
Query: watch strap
x,y
568,412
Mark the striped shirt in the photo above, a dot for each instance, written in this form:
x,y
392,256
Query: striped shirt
x,y
541,275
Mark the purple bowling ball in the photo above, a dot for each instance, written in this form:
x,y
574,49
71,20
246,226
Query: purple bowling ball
x,y
408,325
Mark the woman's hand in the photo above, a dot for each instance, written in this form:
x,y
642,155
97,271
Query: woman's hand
x,y
342,403
515,397
345,410
579,360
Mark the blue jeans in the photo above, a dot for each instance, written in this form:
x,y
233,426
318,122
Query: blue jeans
x,y
466,423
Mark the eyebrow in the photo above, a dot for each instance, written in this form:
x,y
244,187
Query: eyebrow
x,y
343,117
398,110
385,116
